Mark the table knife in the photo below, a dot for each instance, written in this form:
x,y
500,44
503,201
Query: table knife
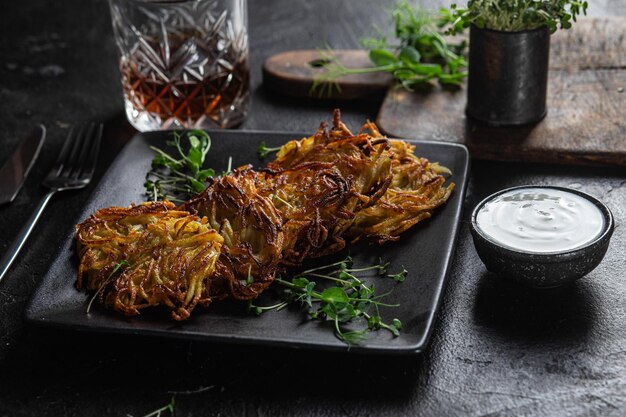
x,y
16,168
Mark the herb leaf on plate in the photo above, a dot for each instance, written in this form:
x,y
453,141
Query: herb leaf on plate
x,y
180,173
263,150
349,300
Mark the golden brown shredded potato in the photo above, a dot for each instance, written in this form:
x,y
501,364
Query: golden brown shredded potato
x,y
317,192
416,190
250,226
361,158
321,182
397,200
170,254
315,202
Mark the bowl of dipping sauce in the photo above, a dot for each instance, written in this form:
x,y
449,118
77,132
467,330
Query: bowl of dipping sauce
x,y
541,236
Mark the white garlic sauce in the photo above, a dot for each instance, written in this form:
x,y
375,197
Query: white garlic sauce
x,y
540,220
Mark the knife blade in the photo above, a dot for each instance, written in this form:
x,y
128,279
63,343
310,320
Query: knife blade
x,y
16,168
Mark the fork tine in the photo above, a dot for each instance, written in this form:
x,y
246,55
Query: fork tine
x,y
86,142
65,150
89,165
85,145
73,160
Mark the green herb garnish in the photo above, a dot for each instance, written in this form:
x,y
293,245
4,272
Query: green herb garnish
x,y
400,276
418,54
116,268
169,407
229,168
263,150
177,177
349,300
519,15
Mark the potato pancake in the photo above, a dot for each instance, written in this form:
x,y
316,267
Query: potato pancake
x,y
233,238
251,227
416,190
169,257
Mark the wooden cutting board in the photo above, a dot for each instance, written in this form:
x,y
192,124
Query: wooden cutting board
x,y
586,120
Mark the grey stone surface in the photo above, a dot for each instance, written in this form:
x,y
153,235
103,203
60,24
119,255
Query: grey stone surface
x,y
497,349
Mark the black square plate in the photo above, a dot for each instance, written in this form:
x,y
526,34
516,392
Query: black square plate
x,y
425,251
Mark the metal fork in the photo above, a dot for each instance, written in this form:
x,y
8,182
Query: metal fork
x,y
72,170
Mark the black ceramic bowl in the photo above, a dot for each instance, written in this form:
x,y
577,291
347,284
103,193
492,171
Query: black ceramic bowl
x,y
542,270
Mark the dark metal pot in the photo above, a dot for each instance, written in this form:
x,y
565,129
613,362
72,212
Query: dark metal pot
x,y
508,76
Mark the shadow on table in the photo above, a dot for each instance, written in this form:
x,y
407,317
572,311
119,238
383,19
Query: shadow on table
x,y
101,368
269,104
534,315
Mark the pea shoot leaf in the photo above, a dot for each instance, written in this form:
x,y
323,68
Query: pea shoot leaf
x,y
382,57
348,300
179,173
419,53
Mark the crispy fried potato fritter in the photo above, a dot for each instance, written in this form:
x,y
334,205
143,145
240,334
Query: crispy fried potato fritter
x,y
251,227
320,183
361,158
416,190
316,203
171,258
413,188
232,239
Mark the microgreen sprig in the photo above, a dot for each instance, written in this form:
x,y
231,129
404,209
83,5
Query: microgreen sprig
x,y
349,299
263,150
519,15
116,268
169,407
178,177
418,54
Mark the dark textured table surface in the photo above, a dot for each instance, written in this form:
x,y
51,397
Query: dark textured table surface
x,y
497,349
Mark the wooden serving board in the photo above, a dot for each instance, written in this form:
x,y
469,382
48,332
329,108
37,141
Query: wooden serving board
x,y
293,73
586,120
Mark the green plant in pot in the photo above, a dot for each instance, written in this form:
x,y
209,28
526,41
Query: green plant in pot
x,y
509,54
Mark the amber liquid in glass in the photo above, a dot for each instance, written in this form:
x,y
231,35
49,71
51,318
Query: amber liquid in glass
x,y
187,83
